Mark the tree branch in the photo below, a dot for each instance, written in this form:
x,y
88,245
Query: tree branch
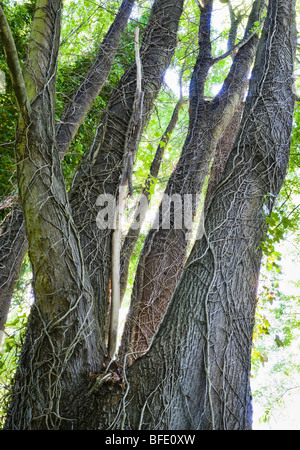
x,y
204,59
235,48
92,84
235,20
242,62
11,56
251,28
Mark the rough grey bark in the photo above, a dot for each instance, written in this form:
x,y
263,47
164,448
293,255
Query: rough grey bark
x,y
199,359
101,169
164,251
62,344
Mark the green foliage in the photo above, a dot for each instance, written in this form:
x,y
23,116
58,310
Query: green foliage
x,y
275,360
84,24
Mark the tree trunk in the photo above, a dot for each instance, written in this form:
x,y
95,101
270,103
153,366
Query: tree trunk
x,y
101,169
196,374
165,249
62,344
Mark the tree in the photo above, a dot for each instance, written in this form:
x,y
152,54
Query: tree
x,y
201,349
115,139
14,243
165,249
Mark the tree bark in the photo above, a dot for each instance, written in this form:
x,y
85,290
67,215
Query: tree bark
x,y
101,169
223,149
196,374
165,249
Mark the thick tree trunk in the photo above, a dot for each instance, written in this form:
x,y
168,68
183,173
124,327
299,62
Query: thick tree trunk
x,y
165,250
196,374
62,343
101,169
